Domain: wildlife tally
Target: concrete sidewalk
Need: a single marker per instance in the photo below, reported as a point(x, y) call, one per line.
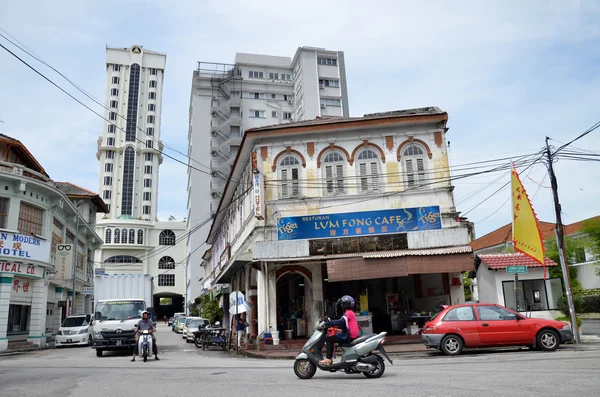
point(412, 350)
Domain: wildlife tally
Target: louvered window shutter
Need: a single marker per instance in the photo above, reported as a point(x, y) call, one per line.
point(375, 176)
point(410, 176)
point(295, 185)
point(339, 174)
point(284, 183)
point(329, 178)
point(420, 171)
point(364, 178)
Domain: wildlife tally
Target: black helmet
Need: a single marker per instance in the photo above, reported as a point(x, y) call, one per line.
point(346, 302)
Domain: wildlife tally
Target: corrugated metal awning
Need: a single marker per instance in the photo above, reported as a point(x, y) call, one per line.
point(463, 249)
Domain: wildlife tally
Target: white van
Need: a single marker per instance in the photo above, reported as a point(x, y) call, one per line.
point(74, 330)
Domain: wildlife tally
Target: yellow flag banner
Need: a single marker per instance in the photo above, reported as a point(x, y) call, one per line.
point(526, 232)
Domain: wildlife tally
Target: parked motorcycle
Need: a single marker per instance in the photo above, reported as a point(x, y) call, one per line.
point(358, 356)
point(145, 344)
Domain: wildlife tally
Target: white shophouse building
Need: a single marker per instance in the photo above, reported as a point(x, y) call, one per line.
point(37, 218)
point(129, 151)
point(362, 206)
point(255, 91)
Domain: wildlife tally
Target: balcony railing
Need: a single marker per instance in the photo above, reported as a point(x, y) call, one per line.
point(21, 170)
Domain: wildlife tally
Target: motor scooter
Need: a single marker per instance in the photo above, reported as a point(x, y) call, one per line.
point(358, 356)
point(145, 344)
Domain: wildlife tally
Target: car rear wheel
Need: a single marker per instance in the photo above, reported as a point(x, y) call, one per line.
point(547, 340)
point(452, 345)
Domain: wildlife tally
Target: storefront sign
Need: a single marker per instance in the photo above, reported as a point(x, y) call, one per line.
point(23, 247)
point(64, 258)
point(259, 200)
point(87, 290)
point(32, 271)
point(22, 290)
point(364, 223)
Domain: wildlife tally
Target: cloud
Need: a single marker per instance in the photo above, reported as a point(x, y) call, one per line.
point(508, 73)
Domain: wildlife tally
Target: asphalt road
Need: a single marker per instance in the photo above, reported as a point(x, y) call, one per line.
point(186, 371)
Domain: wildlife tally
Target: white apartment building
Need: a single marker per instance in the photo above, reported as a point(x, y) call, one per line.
point(255, 91)
point(129, 152)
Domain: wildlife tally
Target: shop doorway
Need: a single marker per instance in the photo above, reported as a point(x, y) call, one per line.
point(292, 290)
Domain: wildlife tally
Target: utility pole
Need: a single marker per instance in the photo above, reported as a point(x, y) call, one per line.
point(74, 266)
point(560, 240)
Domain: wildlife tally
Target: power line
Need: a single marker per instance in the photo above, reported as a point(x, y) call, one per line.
point(589, 130)
point(187, 233)
point(87, 94)
point(96, 113)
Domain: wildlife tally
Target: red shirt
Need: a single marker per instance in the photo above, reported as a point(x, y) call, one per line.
point(352, 324)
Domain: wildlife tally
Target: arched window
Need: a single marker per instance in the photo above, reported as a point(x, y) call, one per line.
point(140, 237)
point(166, 237)
point(108, 236)
point(124, 236)
point(117, 236)
point(289, 171)
point(131, 236)
point(367, 171)
point(334, 173)
point(414, 165)
point(123, 259)
point(166, 262)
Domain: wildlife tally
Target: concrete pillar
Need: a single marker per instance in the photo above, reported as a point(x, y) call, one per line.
point(6, 281)
point(80, 303)
point(37, 321)
point(457, 292)
point(316, 311)
point(272, 292)
point(261, 301)
point(250, 297)
point(58, 311)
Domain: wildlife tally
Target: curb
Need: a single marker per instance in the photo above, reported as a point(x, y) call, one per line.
point(15, 352)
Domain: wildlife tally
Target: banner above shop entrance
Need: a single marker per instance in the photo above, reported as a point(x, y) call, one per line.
point(398, 220)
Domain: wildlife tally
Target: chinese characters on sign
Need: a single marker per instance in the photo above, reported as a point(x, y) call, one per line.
point(22, 290)
point(259, 201)
point(364, 223)
point(24, 247)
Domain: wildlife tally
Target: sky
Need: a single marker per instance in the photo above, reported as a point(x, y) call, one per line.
point(509, 73)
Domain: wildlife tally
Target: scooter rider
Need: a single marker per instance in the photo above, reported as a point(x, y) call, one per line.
point(145, 324)
point(347, 324)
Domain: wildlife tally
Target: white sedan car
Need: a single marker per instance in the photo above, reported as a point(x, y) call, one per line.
point(191, 325)
point(74, 330)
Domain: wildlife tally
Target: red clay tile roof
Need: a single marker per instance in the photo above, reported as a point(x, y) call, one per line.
point(500, 261)
point(577, 226)
point(504, 234)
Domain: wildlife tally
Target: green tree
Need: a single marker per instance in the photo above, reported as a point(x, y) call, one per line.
point(572, 245)
point(208, 308)
point(591, 229)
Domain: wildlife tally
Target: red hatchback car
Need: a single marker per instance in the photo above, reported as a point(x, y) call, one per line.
point(489, 325)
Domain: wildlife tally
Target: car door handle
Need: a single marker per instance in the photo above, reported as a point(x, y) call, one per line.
point(485, 325)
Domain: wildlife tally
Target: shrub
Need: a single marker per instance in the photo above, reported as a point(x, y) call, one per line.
point(568, 320)
point(583, 304)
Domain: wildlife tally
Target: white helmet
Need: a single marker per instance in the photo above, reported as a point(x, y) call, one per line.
point(147, 312)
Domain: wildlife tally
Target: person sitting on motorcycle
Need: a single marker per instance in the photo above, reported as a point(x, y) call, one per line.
point(145, 324)
point(347, 324)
